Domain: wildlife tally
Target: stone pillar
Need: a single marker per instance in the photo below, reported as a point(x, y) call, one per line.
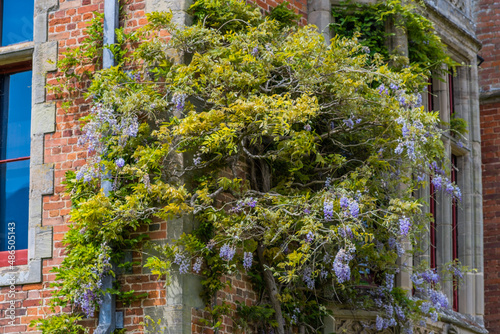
point(443, 209)
point(477, 190)
point(320, 14)
point(183, 292)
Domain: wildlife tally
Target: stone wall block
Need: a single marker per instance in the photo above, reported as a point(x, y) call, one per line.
point(45, 5)
point(41, 180)
point(43, 242)
point(319, 5)
point(40, 28)
point(166, 5)
point(44, 60)
point(43, 118)
point(36, 155)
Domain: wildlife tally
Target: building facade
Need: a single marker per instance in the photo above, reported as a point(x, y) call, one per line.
point(33, 163)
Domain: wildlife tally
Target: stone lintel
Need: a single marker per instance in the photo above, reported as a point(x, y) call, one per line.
point(16, 53)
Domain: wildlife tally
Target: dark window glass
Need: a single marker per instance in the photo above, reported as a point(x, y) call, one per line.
point(15, 129)
point(17, 21)
point(16, 115)
point(14, 190)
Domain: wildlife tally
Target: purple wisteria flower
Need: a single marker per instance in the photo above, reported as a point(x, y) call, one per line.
point(399, 313)
point(255, 51)
point(418, 102)
point(439, 299)
point(430, 276)
point(80, 174)
point(354, 208)
point(346, 232)
point(405, 131)
point(402, 101)
point(404, 226)
point(309, 237)
point(307, 127)
point(449, 188)
point(437, 182)
point(119, 162)
point(197, 161)
point(132, 127)
point(227, 252)
point(341, 265)
point(328, 182)
point(88, 299)
point(382, 89)
point(391, 242)
point(252, 202)
point(344, 202)
point(389, 282)
point(247, 260)
point(328, 210)
point(197, 264)
point(417, 280)
point(425, 307)
point(380, 323)
point(393, 86)
point(307, 277)
point(183, 262)
point(389, 310)
point(399, 149)
point(179, 100)
point(349, 123)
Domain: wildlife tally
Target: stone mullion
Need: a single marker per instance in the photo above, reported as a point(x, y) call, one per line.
point(443, 203)
point(477, 199)
point(465, 208)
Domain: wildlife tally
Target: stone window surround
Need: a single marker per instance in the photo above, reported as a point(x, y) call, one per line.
point(470, 300)
point(44, 56)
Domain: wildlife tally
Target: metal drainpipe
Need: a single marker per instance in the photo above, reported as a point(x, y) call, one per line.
point(107, 310)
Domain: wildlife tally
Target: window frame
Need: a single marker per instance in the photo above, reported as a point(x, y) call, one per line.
point(21, 255)
point(42, 53)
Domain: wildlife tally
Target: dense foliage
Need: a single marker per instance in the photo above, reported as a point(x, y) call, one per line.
point(425, 48)
point(298, 160)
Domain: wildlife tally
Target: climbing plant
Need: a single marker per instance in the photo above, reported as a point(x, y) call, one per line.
point(369, 20)
point(297, 159)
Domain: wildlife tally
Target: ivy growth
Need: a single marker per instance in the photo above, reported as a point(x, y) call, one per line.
point(425, 48)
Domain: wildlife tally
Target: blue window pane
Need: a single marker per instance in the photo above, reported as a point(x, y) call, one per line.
point(17, 21)
point(15, 120)
point(14, 190)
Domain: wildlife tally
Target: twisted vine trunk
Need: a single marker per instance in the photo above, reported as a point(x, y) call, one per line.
point(272, 290)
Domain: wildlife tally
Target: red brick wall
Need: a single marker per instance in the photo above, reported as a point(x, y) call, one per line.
point(488, 31)
point(490, 148)
point(67, 26)
point(488, 23)
point(300, 7)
